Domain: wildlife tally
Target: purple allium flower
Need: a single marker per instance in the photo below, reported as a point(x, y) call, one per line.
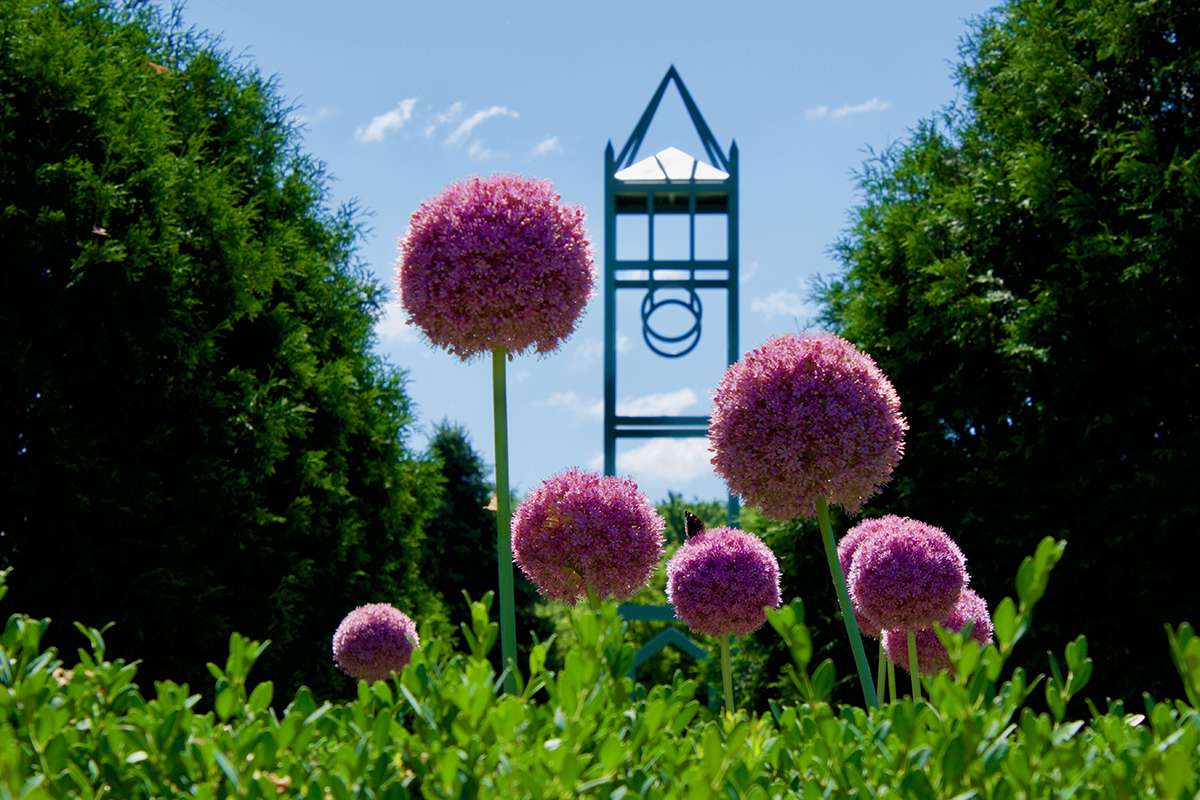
point(907, 574)
point(931, 655)
point(495, 262)
point(847, 546)
point(581, 531)
point(373, 641)
point(720, 580)
point(803, 417)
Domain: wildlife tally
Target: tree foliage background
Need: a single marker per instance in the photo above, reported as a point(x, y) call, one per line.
point(196, 435)
point(1024, 267)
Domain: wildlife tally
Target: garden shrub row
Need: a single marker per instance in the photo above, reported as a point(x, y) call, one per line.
point(444, 728)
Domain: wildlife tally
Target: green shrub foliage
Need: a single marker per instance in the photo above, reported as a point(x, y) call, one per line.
point(196, 436)
point(443, 729)
point(1024, 269)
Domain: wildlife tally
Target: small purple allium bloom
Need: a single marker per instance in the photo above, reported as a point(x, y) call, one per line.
point(581, 531)
point(803, 417)
point(931, 655)
point(495, 262)
point(907, 574)
point(373, 641)
point(721, 579)
point(847, 547)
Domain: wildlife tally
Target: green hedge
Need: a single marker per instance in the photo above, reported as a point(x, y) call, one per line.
point(444, 729)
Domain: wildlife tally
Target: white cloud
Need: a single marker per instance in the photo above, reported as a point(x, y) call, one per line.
point(546, 146)
point(749, 272)
point(393, 120)
point(312, 117)
point(582, 407)
point(479, 152)
point(444, 118)
point(393, 327)
point(649, 405)
point(657, 405)
point(596, 462)
point(588, 352)
point(841, 112)
point(669, 460)
point(781, 303)
point(460, 134)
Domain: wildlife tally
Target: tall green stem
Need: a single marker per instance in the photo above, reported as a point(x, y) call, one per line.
point(727, 672)
point(881, 673)
point(839, 584)
point(508, 614)
point(892, 680)
point(912, 665)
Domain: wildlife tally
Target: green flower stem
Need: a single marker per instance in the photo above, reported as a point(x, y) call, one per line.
point(892, 679)
point(508, 614)
point(727, 672)
point(912, 665)
point(881, 674)
point(839, 584)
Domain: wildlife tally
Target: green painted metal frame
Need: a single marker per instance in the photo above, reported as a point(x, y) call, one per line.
point(721, 274)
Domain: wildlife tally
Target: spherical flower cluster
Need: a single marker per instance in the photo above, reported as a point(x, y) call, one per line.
point(373, 641)
point(847, 547)
point(907, 574)
point(580, 531)
point(720, 580)
point(496, 262)
point(805, 417)
point(931, 654)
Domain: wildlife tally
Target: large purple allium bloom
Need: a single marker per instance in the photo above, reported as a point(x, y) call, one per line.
point(931, 654)
point(581, 532)
point(907, 575)
point(373, 641)
point(496, 262)
point(805, 417)
point(720, 580)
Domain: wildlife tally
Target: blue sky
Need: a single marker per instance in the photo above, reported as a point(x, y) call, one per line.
point(400, 99)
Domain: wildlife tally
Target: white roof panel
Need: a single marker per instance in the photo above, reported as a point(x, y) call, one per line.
point(673, 165)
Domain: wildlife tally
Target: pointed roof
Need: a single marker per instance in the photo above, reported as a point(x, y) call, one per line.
point(673, 166)
point(711, 148)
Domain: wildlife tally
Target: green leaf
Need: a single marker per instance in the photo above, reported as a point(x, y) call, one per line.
point(260, 698)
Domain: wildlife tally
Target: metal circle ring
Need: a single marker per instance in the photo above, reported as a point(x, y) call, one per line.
point(661, 343)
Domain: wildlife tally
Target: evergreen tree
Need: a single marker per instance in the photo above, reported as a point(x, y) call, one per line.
point(1024, 269)
point(196, 435)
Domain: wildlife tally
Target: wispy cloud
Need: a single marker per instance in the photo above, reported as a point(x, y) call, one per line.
point(749, 272)
point(312, 117)
point(675, 461)
point(587, 352)
point(647, 405)
point(841, 112)
point(479, 151)
point(444, 118)
point(464, 129)
point(577, 405)
point(657, 405)
point(546, 146)
point(393, 327)
point(781, 303)
point(393, 120)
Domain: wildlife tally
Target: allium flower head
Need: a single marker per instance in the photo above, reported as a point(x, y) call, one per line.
point(581, 531)
point(803, 417)
point(931, 654)
point(847, 546)
point(373, 641)
point(907, 575)
point(720, 580)
point(495, 262)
